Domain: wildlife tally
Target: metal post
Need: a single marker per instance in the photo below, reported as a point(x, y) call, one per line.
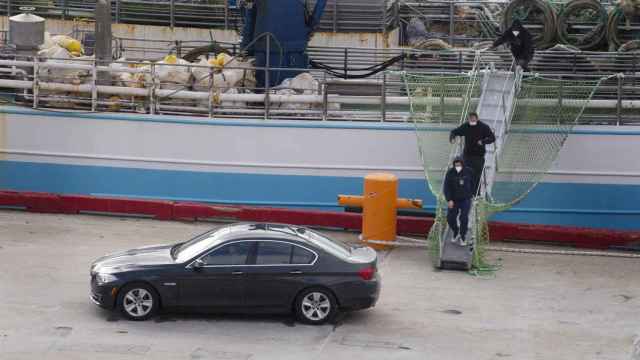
point(267, 79)
point(117, 11)
point(179, 48)
point(325, 97)
point(396, 14)
point(561, 94)
point(211, 92)
point(172, 8)
point(8, 8)
point(94, 87)
point(36, 85)
point(64, 9)
point(226, 14)
point(619, 102)
point(346, 57)
point(335, 16)
point(451, 22)
point(383, 95)
point(442, 100)
point(152, 90)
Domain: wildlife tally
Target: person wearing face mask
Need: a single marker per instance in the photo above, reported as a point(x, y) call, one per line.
point(458, 192)
point(521, 43)
point(476, 135)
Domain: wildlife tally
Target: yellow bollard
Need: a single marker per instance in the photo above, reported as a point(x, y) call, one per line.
point(379, 207)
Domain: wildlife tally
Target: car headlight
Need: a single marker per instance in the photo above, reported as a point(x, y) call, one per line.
point(102, 279)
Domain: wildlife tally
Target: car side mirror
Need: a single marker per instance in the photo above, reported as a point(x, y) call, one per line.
point(198, 264)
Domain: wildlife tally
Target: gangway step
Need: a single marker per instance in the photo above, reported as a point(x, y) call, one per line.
point(454, 256)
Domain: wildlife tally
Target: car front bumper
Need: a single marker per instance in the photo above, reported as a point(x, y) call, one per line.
point(103, 295)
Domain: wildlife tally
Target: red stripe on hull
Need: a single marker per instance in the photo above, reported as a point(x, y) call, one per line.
point(168, 210)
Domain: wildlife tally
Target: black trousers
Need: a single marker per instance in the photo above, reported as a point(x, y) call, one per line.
point(523, 63)
point(460, 208)
point(476, 163)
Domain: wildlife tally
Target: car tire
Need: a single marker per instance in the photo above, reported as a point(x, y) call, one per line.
point(138, 301)
point(315, 306)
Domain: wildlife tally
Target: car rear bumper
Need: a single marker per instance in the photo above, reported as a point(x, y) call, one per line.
point(360, 295)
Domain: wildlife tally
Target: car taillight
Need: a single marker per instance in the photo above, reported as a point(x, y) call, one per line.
point(367, 273)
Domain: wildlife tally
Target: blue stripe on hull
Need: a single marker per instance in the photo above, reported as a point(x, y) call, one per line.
point(585, 205)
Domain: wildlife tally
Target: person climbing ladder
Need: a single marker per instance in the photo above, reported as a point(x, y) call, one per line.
point(520, 42)
point(476, 135)
point(458, 193)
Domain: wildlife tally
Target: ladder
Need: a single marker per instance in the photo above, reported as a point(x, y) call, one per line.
point(499, 89)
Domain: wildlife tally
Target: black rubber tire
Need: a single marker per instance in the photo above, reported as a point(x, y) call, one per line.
point(298, 307)
point(155, 305)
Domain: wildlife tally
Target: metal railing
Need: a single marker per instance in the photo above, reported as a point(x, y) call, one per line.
point(339, 15)
point(379, 98)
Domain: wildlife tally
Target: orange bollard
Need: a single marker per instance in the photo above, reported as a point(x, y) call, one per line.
point(379, 207)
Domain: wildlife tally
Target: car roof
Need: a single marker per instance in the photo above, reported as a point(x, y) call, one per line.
point(265, 230)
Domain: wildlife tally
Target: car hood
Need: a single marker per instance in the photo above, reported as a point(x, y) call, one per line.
point(134, 259)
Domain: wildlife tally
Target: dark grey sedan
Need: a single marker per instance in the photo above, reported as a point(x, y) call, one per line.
point(268, 268)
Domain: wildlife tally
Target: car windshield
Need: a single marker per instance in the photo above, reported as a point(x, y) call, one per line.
point(198, 244)
point(335, 247)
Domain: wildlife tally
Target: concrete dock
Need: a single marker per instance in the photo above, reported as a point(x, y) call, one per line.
point(535, 307)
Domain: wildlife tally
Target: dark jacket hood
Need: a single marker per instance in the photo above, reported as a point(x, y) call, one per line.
point(517, 25)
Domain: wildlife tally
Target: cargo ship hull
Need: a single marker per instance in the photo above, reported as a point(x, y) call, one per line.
point(594, 183)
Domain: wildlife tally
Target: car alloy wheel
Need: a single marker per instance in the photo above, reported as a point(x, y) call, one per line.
point(316, 306)
point(138, 302)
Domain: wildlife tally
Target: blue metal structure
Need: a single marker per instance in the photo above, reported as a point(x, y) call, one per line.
point(277, 32)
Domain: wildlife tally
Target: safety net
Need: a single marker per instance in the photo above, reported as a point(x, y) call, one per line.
point(543, 113)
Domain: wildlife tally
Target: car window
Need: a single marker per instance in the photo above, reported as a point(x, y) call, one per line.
point(273, 253)
point(335, 247)
point(302, 256)
point(231, 254)
point(199, 244)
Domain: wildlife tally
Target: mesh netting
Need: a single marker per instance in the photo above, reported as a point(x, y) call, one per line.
point(543, 114)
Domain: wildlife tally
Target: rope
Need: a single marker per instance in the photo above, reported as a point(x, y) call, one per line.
point(616, 16)
point(593, 38)
point(344, 74)
point(521, 9)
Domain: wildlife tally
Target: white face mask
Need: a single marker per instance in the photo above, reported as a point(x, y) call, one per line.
point(458, 168)
point(515, 32)
point(473, 123)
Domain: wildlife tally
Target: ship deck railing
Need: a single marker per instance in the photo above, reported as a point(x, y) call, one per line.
point(339, 15)
point(380, 98)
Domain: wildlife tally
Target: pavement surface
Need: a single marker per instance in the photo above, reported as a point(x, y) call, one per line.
point(536, 306)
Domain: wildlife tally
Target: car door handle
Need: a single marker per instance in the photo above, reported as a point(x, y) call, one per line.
point(295, 272)
point(237, 273)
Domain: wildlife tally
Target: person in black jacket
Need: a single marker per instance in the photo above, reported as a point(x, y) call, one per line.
point(521, 43)
point(458, 191)
point(476, 135)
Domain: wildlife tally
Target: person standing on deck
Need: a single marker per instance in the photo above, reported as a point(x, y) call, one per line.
point(476, 135)
point(520, 42)
point(458, 191)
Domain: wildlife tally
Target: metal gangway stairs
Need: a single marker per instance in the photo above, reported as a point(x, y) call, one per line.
point(497, 99)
